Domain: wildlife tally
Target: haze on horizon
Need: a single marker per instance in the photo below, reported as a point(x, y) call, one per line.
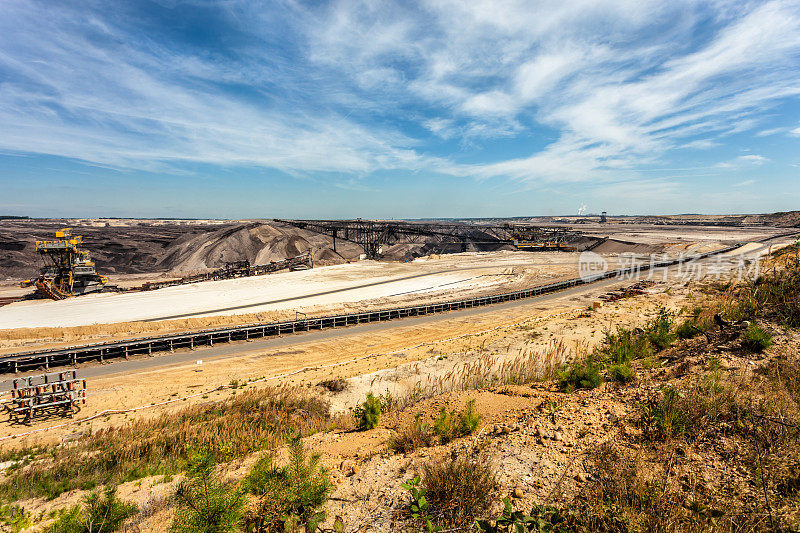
point(234, 109)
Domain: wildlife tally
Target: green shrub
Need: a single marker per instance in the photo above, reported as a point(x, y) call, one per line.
point(289, 497)
point(449, 426)
point(580, 375)
point(15, 517)
point(755, 338)
point(101, 513)
point(622, 373)
point(417, 435)
point(70, 520)
point(205, 505)
point(469, 419)
point(659, 330)
point(458, 490)
point(444, 425)
point(542, 518)
point(688, 329)
point(624, 345)
point(419, 505)
point(664, 418)
point(368, 414)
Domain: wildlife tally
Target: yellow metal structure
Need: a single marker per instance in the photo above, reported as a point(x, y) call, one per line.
point(68, 270)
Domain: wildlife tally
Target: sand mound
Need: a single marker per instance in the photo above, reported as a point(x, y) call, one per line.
point(614, 246)
point(257, 242)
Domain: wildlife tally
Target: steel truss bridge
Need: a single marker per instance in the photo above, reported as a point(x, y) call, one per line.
point(372, 234)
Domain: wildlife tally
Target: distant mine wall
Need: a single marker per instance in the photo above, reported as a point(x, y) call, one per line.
point(141, 247)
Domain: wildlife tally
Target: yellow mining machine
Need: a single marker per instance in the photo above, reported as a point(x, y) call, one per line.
point(68, 271)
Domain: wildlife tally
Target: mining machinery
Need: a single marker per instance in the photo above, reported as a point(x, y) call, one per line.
point(372, 234)
point(68, 271)
point(537, 239)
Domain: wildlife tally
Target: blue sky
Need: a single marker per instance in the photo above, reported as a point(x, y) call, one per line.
point(238, 109)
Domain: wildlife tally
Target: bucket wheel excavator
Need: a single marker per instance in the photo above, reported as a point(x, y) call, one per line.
point(68, 271)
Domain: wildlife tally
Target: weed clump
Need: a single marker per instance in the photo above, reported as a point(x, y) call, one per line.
point(776, 294)
point(755, 338)
point(580, 375)
point(452, 425)
point(622, 373)
point(624, 345)
point(708, 407)
point(659, 330)
point(14, 517)
point(458, 490)
point(333, 385)
point(417, 435)
point(665, 417)
point(688, 329)
point(228, 429)
point(289, 497)
point(632, 490)
point(100, 513)
point(368, 414)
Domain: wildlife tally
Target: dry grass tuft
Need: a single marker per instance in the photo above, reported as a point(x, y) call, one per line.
point(489, 370)
point(458, 490)
point(417, 435)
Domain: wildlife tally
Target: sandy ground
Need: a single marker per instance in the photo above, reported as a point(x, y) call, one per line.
point(397, 346)
point(346, 288)
point(325, 286)
point(653, 234)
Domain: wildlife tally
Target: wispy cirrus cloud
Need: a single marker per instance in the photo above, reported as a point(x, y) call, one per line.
point(85, 89)
point(596, 90)
point(753, 159)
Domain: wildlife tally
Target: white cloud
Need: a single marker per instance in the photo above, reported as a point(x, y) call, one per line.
point(444, 128)
point(771, 131)
point(489, 103)
point(701, 144)
point(534, 79)
point(603, 88)
point(753, 159)
point(743, 160)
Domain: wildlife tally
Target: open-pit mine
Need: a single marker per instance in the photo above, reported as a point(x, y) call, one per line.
point(149, 331)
